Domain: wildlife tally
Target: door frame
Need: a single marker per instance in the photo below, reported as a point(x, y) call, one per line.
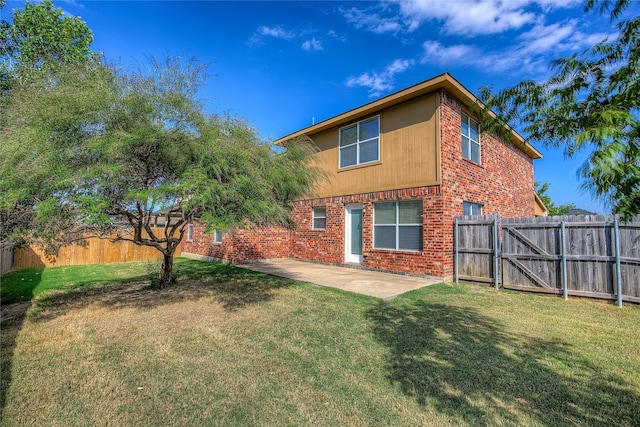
point(348, 256)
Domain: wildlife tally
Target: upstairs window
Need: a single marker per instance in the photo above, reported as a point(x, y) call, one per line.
point(320, 218)
point(469, 208)
point(470, 138)
point(398, 225)
point(190, 232)
point(217, 236)
point(360, 143)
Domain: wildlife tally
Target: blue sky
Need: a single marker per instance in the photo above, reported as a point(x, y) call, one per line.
point(282, 65)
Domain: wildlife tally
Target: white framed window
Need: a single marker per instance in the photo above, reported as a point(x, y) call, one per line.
point(360, 142)
point(470, 130)
point(469, 208)
point(190, 232)
point(217, 236)
point(319, 218)
point(398, 225)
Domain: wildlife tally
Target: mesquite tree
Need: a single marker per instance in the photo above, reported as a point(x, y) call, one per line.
point(111, 151)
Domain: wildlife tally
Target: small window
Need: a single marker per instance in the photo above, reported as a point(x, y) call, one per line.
point(470, 138)
point(398, 225)
point(360, 143)
point(190, 232)
point(469, 208)
point(320, 218)
point(217, 236)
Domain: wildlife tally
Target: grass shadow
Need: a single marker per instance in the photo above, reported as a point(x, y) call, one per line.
point(233, 287)
point(467, 366)
point(12, 316)
point(10, 330)
point(24, 282)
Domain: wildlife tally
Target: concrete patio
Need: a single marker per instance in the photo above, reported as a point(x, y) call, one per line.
point(385, 286)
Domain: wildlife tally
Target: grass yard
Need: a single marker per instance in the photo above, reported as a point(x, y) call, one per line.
point(227, 346)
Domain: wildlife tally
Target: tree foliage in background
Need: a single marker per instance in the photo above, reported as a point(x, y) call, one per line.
point(563, 209)
point(33, 47)
point(590, 103)
point(38, 40)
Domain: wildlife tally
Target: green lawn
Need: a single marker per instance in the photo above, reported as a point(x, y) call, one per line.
point(25, 284)
point(227, 346)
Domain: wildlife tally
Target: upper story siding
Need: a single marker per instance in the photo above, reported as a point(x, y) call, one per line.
point(409, 155)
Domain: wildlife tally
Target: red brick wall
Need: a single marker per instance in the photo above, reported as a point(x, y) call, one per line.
point(328, 245)
point(239, 246)
point(319, 245)
point(502, 183)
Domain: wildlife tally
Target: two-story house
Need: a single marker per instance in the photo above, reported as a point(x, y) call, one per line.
point(399, 169)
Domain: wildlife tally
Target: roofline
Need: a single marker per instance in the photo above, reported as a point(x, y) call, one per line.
point(443, 81)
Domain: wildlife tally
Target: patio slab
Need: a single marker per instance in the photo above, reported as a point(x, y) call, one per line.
point(385, 286)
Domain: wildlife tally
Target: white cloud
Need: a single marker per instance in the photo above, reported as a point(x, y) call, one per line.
point(470, 56)
point(371, 19)
point(560, 37)
point(275, 32)
point(460, 17)
point(73, 3)
point(278, 32)
point(548, 5)
point(543, 38)
point(528, 55)
point(312, 44)
point(398, 66)
point(379, 82)
point(449, 54)
point(468, 17)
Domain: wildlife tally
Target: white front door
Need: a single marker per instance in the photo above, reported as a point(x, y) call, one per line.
point(353, 234)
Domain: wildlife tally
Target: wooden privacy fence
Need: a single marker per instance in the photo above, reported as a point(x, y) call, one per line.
point(596, 256)
point(89, 251)
point(6, 259)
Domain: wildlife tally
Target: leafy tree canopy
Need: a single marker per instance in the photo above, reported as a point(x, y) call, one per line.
point(106, 151)
point(590, 103)
point(37, 41)
point(40, 38)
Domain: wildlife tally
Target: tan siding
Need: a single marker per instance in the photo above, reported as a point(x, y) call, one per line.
point(408, 148)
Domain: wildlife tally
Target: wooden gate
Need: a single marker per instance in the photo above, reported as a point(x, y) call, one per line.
point(530, 255)
point(477, 248)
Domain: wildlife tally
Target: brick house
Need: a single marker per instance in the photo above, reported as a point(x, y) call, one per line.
point(399, 169)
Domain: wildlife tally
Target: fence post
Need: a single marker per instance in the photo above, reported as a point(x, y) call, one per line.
point(455, 259)
point(565, 287)
point(495, 252)
point(616, 237)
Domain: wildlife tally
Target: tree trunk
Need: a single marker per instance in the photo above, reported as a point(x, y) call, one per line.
point(166, 272)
